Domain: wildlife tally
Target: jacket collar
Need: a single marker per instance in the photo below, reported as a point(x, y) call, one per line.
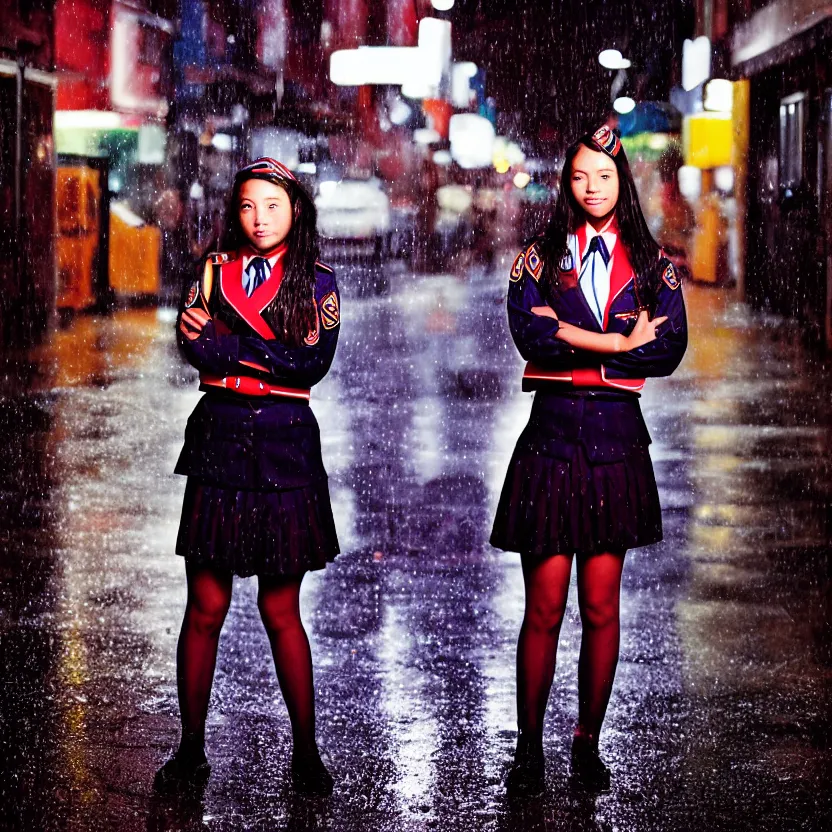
point(250, 309)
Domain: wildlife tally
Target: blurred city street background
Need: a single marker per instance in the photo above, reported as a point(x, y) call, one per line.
point(121, 126)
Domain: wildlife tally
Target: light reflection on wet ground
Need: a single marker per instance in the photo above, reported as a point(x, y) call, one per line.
point(720, 715)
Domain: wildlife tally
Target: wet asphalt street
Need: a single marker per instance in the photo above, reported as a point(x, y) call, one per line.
point(720, 718)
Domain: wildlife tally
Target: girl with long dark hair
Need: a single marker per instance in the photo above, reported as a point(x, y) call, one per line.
point(595, 308)
point(261, 325)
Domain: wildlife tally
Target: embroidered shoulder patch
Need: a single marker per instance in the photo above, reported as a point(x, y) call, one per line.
point(220, 257)
point(534, 265)
point(517, 268)
point(193, 295)
point(670, 278)
point(330, 314)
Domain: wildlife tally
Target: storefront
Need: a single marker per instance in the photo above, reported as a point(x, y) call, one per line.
point(789, 237)
point(27, 218)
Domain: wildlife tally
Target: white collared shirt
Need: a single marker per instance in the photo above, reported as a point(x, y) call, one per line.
point(247, 258)
point(594, 277)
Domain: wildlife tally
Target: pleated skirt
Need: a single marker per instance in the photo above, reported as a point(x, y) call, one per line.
point(265, 533)
point(556, 500)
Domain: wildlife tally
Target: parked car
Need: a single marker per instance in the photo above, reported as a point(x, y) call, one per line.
point(353, 220)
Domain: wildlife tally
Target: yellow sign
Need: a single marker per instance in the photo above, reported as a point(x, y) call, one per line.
point(707, 140)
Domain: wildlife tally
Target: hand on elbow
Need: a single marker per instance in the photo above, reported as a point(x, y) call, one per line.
point(644, 331)
point(192, 323)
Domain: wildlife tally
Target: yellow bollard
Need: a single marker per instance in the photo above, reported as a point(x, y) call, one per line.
point(707, 239)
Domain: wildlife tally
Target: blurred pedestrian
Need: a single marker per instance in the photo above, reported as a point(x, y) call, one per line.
point(678, 218)
point(426, 213)
point(595, 308)
point(261, 326)
point(484, 210)
point(178, 258)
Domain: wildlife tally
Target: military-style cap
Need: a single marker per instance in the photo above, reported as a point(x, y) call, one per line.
point(607, 141)
point(267, 168)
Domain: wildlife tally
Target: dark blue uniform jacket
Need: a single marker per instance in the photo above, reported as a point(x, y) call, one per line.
point(254, 442)
point(588, 397)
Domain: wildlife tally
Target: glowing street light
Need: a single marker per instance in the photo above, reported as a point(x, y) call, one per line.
point(719, 96)
point(624, 105)
point(613, 59)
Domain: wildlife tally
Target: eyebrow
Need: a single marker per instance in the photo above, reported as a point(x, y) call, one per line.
point(602, 170)
point(264, 199)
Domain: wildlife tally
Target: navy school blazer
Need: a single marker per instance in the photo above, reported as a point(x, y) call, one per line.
point(253, 442)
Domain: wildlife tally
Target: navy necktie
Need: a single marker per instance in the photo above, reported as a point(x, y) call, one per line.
point(257, 272)
point(597, 244)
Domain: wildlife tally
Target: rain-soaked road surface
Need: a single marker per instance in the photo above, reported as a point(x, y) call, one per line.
point(720, 718)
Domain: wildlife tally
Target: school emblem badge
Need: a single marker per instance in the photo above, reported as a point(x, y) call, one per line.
point(517, 268)
point(330, 314)
point(670, 278)
point(193, 295)
point(534, 265)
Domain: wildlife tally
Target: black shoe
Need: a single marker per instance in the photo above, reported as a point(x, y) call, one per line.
point(588, 767)
point(309, 774)
point(182, 775)
point(527, 777)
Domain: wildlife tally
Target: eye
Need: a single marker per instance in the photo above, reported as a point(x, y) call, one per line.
point(605, 176)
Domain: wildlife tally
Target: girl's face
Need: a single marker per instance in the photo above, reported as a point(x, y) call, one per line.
point(594, 182)
point(265, 213)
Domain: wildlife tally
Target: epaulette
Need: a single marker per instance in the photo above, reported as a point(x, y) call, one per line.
point(323, 267)
point(517, 267)
point(532, 261)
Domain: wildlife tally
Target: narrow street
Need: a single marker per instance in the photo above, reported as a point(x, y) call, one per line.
point(720, 718)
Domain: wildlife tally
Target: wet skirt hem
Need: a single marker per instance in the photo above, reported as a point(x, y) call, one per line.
point(265, 533)
point(552, 505)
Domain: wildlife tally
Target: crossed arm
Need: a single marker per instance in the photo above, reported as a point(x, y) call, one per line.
point(607, 342)
point(209, 352)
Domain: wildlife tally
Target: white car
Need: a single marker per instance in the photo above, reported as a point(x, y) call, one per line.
point(353, 219)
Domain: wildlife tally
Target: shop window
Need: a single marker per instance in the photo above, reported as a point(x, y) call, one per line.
point(151, 47)
point(792, 129)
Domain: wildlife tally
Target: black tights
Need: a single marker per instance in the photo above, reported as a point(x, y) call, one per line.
point(209, 596)
point(547, 587)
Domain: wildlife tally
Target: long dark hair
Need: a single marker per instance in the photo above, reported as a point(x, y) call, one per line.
point(291, 315)
point(568, 216)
